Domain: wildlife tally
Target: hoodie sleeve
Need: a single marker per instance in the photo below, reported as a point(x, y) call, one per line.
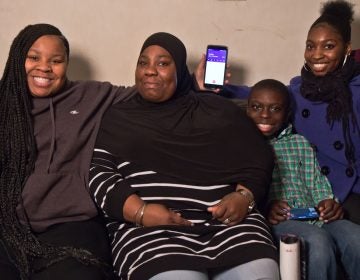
point(123, 93)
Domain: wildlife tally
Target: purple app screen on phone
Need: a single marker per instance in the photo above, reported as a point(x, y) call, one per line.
point(215, 66)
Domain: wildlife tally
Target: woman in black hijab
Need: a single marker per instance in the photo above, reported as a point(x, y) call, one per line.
point(177, 173)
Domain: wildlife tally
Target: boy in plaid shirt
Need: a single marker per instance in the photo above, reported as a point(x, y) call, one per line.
point(298, 182)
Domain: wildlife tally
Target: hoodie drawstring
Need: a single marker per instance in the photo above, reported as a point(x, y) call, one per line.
point(53, 135)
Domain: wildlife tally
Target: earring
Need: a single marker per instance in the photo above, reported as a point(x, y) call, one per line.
point(345, 59)
point(305, 66)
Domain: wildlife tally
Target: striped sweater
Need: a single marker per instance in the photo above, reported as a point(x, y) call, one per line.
point(142, 252)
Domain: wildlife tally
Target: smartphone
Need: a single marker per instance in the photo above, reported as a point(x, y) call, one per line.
point(304, 214)
point(215, 66)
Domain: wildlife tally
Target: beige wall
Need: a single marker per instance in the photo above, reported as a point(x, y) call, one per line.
point(265, 37)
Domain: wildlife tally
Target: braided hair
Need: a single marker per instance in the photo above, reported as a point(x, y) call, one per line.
point(17, 158)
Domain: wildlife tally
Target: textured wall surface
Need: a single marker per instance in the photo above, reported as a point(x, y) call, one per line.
point(266, 38)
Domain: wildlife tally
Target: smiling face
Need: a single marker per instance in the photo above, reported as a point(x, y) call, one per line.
point(325, 49)
point(268, 109)
point(45, 65)
point(155, 74)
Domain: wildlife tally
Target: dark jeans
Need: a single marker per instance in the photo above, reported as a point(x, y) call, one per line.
point(90, 235)
point(323, 245)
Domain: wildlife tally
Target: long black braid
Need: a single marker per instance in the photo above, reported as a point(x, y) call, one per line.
point(17, 158)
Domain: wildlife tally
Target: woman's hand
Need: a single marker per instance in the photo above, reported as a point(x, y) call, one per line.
point(279, 211)
point(158, 214)
point(153, 214)
point(330, 210)
point(231, 210)
point(199, 75)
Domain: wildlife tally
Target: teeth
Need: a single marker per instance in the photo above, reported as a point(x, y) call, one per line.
point(41, 80)
point(264, 125)
point(319, 65)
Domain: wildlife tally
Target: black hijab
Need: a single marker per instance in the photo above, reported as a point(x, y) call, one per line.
point(177, 50)
point(199, 138)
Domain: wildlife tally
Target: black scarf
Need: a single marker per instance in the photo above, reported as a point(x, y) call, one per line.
point(199, 138)
point(333, 89)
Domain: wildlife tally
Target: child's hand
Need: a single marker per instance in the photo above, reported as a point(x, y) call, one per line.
point(279, 211)
point(330, 210)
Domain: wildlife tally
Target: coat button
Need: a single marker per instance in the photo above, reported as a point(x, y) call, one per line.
point(349, 172)
point(325, 170)
point(305, 113)
point(338, 145)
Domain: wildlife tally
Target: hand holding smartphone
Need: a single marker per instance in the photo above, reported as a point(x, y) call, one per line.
point(304, 213)
point(215, 66)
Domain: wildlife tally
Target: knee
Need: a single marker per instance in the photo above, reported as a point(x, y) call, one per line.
point(320, 239)
point(352, 251)
point(320, 246)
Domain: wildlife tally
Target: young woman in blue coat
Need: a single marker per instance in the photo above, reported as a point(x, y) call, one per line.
point(326, 100)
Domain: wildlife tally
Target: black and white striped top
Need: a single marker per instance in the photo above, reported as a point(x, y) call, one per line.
point(142, 252)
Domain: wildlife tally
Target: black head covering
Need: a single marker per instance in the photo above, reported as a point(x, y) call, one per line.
point(178, 52)
point(197, 138)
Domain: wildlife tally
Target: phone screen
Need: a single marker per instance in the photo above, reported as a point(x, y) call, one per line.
point(215, 67)
point(303, 214)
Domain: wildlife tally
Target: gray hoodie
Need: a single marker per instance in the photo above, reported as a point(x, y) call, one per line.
point(65, 128)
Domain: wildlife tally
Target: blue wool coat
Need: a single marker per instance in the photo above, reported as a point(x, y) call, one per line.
point(329, 144)
point(310, 121)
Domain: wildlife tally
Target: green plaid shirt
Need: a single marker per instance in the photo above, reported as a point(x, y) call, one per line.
point(296, 177)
